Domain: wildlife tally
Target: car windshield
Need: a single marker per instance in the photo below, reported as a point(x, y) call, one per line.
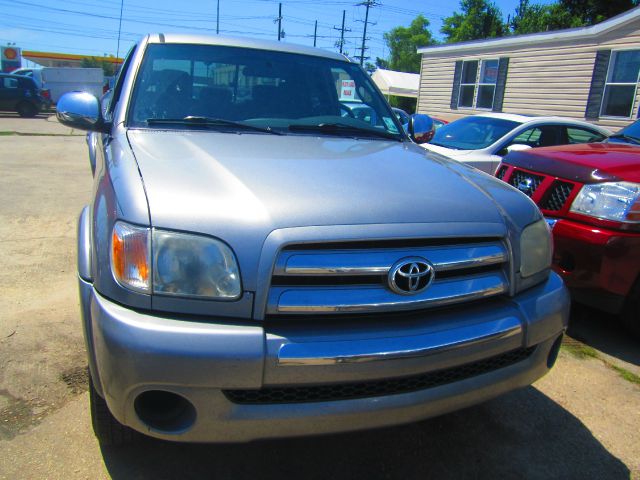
point(629, 134)
point(232, 87)
point(472, 133)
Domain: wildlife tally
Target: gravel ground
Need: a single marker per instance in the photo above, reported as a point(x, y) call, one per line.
point(580, 421)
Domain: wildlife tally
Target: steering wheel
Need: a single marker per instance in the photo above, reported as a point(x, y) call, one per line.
point(346, 111)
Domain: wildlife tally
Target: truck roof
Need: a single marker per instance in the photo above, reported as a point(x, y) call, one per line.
point(230, 41)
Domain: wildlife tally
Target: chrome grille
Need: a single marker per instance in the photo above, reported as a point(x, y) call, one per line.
point(345, 280)
point(557, 196)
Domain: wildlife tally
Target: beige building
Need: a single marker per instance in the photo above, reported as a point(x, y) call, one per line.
point(585, 73)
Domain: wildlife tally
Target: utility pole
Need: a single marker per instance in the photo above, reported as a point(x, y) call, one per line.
point(368, 4)
point(315, 33)
point(218, 19)
point(119, 30)
point(340, 43)
point(279, 21)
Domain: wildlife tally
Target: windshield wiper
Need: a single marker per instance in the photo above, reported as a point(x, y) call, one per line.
point(209, 122)
point(626, 137)
point(341, 128)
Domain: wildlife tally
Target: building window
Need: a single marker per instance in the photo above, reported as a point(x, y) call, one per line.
point(621, 83)
point(487, 84)
point(483, 80)
point(468, 83)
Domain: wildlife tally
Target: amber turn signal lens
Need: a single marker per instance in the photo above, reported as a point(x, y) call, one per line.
point(130, 256)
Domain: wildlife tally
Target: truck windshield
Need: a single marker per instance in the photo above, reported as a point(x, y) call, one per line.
point(277, 91)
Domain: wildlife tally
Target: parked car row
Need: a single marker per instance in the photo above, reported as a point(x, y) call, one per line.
point(585, 181)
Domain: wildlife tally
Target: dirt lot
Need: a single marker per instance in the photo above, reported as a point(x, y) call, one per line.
point(580, 421)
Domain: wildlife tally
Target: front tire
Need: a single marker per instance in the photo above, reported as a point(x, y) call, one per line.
point(27, 110)
point(631, 312)
point(108, 431)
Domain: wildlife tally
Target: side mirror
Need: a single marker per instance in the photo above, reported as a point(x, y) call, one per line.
point(80, 110)
point(517, 147)
point(421, 128)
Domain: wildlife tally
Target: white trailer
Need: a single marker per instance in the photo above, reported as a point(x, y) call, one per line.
point(60, 80)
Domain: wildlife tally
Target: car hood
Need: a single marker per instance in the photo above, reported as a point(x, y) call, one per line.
point(241, 187)
point(585, 163)
point(447, 152)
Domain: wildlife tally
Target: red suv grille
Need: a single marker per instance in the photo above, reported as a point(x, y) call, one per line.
point(557, 196)
point(552, 194)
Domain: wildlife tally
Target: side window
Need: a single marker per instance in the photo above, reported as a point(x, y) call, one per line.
point(10, 82)
point(583, 135)
point(540, 136)
point(530, 137)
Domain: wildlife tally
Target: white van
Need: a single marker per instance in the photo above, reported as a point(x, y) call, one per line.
point(60, 80)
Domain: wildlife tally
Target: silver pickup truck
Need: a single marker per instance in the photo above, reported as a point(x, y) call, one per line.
point(257, 261)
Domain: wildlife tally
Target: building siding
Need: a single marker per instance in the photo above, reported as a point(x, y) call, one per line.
point(542, 80)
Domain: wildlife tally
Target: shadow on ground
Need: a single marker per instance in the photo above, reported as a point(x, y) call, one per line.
point(604, 332)
point(43, 115)
point(520, 435)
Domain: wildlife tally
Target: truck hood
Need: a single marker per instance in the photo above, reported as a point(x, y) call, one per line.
point(241, 187)
point(585, 163)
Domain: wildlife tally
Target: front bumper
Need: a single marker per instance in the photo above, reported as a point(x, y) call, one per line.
point(132, 352)
point(599, 266)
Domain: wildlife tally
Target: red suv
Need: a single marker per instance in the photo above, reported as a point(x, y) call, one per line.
point(590, 195)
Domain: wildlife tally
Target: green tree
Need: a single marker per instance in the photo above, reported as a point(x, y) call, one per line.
point(540, 18)
point(590, 12)
point(478, 19)
point(403, 43)
point(532, 18)
point(93, 62)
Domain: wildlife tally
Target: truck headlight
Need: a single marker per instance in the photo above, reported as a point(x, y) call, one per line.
point(617, 201)
point(535, 249)
point(185, 265)
point(130, 256)
point(194, 266)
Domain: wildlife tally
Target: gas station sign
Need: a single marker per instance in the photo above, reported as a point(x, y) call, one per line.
point(10, 59)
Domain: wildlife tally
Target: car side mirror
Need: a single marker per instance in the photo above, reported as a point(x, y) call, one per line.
point(421, 128)
point(515, 147)
point(81, 110)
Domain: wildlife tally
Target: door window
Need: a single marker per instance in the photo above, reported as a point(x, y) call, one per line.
point(9, 82)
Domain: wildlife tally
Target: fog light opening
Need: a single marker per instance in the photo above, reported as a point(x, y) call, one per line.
point(566, 262)
point(553, 353)
point(165, 411)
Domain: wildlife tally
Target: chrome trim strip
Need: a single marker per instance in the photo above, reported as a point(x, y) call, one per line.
point(376, 298)
point(396, 348)
point(378, 262)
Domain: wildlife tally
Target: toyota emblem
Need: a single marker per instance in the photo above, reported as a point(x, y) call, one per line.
point(410, 275)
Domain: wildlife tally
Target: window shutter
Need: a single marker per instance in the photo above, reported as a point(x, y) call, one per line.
point(455, 92)
point(598, 79)
point(501, 83)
